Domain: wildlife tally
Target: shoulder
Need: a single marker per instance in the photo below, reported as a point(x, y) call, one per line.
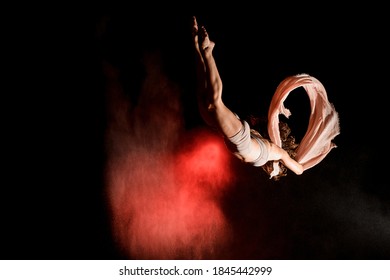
point(276, 152)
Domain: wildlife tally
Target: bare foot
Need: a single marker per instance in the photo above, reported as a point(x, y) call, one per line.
point(195, 30)
point(206, 44)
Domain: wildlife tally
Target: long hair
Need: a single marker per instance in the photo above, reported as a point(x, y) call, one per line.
point(288, 143)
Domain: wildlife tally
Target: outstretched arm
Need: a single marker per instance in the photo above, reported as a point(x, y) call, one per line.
point(216, 114)
point(277, 153)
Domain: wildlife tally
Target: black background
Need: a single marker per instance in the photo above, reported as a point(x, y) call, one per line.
point(53, 191)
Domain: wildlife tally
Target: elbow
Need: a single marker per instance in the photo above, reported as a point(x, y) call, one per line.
point(299, 169)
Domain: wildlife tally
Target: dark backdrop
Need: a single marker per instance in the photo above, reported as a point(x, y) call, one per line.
point(54, 191)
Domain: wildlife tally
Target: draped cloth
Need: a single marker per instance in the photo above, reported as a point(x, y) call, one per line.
point(323, 124)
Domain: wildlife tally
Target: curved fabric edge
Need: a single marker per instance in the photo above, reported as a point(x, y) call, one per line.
point(323, 124)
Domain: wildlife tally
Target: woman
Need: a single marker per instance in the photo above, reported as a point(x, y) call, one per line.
point(246, 143)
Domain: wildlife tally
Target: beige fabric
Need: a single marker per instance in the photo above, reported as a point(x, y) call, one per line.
point(323, 124)
point(242, 146)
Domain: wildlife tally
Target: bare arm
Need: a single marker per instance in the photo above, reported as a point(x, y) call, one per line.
point(277, 153)
point(213, 110)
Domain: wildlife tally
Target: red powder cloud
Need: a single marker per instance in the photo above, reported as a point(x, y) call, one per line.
point(164, 184)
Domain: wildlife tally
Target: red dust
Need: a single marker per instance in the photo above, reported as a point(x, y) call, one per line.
point(168, 207)
point(164, 183)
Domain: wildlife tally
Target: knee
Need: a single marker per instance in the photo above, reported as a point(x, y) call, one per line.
point(216, 92)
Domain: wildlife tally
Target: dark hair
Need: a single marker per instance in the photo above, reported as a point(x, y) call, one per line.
point(288, 143)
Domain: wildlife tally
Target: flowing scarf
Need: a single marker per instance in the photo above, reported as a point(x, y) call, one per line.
point(323, 124)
